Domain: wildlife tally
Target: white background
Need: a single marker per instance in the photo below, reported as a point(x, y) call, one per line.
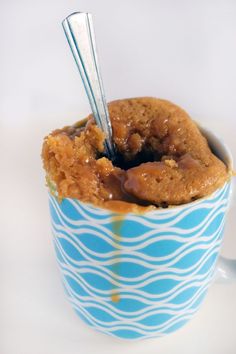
point(184, 51)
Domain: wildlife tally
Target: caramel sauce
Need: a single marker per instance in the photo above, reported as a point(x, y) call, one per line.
point(116, 228)
point(115, 297)
point(161, 159)
point(120, 206)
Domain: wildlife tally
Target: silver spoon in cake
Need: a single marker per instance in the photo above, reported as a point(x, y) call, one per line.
point(79, 32)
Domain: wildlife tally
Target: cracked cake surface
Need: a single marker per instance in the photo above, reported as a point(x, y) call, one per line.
point(162, 158)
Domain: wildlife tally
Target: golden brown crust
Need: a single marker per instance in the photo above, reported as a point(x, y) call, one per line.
point(169, 160)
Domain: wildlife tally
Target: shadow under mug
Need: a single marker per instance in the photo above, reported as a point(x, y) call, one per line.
point(138, 276)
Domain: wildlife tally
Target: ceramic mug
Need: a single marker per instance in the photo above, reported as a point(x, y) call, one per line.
point(138, 276)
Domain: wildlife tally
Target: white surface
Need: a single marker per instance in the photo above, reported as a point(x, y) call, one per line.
point(181, 50)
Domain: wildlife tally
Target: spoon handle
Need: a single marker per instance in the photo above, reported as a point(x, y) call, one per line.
point(79, 31)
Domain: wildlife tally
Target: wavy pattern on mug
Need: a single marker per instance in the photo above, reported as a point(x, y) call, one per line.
point(116, 279)
point(75, 242)
point(80, 210)
point(147, 309)
point(167, 227)
point(157, 276)
point(149, 237)
point(174, 234)
point(94, 211)
point(165, 261)
point(90, 213)
point(140, 293)
point(139, 331)
point(98, 234)
point(113, 319)
point(136, 261)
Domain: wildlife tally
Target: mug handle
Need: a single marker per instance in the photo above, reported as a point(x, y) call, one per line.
point(226, 270)
point(226, 267)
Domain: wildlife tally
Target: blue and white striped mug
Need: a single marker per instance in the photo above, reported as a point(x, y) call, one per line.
point(150, 278)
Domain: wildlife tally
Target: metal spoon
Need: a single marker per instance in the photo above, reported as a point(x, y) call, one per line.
point(79, 31)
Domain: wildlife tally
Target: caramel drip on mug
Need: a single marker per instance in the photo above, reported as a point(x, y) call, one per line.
point(116, 227)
